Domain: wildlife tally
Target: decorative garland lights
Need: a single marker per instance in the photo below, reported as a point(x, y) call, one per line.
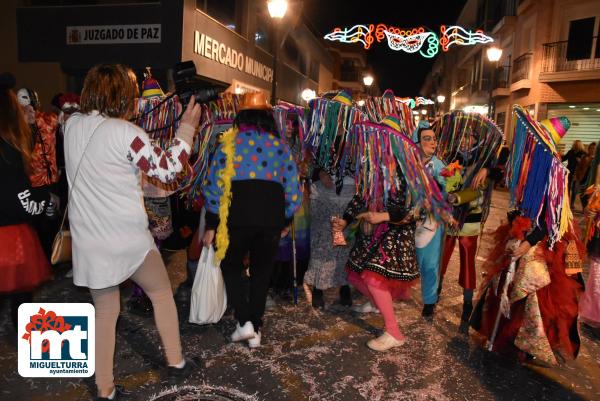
point(411, 41)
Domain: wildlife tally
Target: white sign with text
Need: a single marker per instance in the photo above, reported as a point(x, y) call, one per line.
point(113, 34)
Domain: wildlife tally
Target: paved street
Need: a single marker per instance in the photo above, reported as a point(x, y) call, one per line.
point(314, 355)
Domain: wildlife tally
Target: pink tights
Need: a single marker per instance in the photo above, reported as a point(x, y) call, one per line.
point(382, 299)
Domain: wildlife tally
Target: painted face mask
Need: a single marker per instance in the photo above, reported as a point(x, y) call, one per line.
point(28, 97)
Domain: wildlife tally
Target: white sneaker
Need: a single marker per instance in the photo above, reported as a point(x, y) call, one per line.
point(254, 342)
point(367, 307)
point(244, 332)
point(384, 342)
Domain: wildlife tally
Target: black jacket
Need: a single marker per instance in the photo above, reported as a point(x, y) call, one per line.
point(19, 202)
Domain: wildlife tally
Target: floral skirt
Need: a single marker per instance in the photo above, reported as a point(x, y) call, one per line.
point(390, 252)
point(23, 264)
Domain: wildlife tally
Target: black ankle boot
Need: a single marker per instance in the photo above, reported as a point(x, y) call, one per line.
point(317, 299)
point(466, 311)
point(428, 310)
point(465, 316)
point(345, 295)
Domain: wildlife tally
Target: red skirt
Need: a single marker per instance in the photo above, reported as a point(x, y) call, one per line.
point(399, 290)
point(23, 263)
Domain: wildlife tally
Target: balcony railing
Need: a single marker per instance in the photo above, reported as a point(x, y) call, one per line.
point(557, 58)
point(502, 77)
point(521, 67)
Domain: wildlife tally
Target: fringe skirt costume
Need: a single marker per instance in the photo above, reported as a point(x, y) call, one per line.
point(386, 257)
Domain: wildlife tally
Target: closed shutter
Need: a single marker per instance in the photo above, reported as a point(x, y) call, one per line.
point(585, 124)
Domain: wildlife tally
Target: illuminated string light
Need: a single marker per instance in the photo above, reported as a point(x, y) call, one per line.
point(356, 34)
point(421, 101)
point(425, 42)
point(456, 35)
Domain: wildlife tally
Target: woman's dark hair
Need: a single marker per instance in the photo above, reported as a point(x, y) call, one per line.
point(110, 89)
point(13, 126)
point(262, 119)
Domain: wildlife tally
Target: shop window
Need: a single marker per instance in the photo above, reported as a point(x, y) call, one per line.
point(581, 36)
point(227, 12)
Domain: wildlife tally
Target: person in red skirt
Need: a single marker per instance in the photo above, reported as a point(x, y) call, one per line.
point(23, 264)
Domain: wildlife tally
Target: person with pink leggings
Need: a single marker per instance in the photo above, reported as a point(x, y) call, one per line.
point(104, 156)
point(382, 263)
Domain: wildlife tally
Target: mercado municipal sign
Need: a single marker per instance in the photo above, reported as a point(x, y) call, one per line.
point(421, 40)
point(217, 51)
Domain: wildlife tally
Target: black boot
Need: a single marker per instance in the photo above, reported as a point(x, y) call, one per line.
point(428, 310)
point(317, 299)
point(177, 375)
point(120, 392)
point(465, 316)
point(345, 295)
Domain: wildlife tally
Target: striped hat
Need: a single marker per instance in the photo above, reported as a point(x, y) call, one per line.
point(344, 97)
point(557, 127)
point(151, 88)
point(392, 121)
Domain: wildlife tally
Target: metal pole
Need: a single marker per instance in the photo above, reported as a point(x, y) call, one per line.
point(275, 63)
point(491, 106)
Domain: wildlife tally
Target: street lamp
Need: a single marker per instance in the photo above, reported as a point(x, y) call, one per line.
point(308, 94)
point(368, 81)
point(277, 10)
point(494, 54)
point(441, 98)
point(424, 111)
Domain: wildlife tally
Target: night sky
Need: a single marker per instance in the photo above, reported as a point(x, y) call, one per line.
point(403, 73)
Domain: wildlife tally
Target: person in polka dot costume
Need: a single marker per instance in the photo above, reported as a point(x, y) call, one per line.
point(266, 193)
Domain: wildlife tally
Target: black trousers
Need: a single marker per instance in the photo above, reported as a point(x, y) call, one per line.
point(262, 245)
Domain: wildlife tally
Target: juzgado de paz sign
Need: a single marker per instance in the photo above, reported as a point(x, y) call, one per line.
point(217, 51)
point(113, 34)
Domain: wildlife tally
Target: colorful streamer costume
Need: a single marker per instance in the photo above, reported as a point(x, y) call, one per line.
point(531, 304)
point(429, 231)
point(589, 308)
point(468, 143)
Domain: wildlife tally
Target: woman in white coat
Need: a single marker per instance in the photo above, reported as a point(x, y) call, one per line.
point(104, 155)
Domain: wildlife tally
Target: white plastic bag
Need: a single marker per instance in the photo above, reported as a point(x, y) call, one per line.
point(209, 299)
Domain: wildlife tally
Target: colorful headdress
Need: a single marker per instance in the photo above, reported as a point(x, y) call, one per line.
point(392, 121)
point(557, 127)
point(150, 86)
point(536, 177)
point(458, 126)
point(343, 97)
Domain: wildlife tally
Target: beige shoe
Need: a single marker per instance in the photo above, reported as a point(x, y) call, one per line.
point(384, 342)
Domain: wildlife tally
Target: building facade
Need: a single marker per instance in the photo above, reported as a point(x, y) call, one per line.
point(550, 63)
point(231, 43)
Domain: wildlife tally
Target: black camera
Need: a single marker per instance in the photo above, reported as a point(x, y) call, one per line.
point(187, 84)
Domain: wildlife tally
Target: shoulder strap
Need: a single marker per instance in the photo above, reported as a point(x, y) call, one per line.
point(62, 224)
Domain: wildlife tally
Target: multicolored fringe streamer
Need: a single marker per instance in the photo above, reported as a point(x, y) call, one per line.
point(377, 108)
point(382, 158)
point(536, 177)
point(454, 128)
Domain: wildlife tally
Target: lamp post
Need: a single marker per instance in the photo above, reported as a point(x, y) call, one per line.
point(368, 81)
point(440, 100)
point(493, 54)
point(308, 94)
point(277, 10)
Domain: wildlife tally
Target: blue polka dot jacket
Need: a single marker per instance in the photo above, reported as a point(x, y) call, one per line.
point(265, 188)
